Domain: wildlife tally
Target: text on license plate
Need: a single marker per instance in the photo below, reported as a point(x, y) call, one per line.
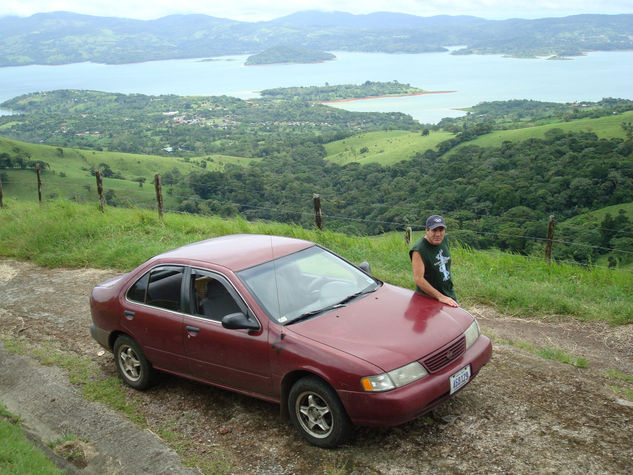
point(460, 378)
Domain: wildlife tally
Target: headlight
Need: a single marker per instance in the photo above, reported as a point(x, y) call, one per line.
point(471, 334)
point(394, 379)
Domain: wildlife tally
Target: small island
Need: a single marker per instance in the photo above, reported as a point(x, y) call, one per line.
point(289, 55)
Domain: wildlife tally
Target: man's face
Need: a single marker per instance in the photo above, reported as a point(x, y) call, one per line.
point(436, 236)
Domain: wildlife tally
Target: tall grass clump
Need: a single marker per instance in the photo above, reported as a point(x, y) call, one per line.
point(64, 233)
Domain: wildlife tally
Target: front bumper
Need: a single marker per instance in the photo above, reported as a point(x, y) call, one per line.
point(404, 404)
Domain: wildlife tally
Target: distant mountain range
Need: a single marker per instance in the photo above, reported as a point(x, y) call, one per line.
point(63, 37)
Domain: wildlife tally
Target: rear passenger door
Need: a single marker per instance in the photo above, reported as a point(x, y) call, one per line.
point(236, 359)
point(153, 316)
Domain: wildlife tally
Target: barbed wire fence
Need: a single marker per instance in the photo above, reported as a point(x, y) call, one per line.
point(156, 201)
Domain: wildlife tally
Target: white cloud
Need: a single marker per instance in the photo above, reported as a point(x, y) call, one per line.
point(255, 10)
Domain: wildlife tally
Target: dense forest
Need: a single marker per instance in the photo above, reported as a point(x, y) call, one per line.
point(495, 196)
point(288, 54)
point(61, 37)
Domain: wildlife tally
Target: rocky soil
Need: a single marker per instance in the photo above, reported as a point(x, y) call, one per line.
point(522, 414)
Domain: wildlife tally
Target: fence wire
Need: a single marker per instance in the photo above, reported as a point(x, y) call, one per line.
point(308, 212)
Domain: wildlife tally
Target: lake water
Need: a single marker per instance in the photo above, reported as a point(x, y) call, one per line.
point(473, 79)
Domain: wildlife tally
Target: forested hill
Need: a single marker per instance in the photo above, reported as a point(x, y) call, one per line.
point(283, 54)
point(61, 37)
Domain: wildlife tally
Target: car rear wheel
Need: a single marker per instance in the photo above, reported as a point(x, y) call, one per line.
point(317, 413)
point(131, 363)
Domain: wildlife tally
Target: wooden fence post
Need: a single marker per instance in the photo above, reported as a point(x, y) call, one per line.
point(39, 183)
point(100, 189)
point(318, 216)
point(1, 203)
point(550, 239)
point(159, 195)
point(407, 235)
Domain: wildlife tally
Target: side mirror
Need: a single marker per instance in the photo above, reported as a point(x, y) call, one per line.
point(239, 321)
point(365, 267)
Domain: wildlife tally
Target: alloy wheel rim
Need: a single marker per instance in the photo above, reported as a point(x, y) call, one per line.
point(314, 415)
point(130, 363)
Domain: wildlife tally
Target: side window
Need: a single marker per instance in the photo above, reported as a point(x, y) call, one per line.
point(136, 293)
point(212, 298)
point(164, 287)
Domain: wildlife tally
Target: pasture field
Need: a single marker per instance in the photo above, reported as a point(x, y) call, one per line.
point(384, 147)
point(603, 127)
point(70, 172)
point(392, 146)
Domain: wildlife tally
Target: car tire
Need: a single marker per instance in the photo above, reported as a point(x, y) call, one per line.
point(317, 413)
point(131, 363)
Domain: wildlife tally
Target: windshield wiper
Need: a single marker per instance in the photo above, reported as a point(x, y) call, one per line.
point(312, 313)
point(349, 298)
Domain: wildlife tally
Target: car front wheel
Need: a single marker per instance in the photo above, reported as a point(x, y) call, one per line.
point(131, 363)
point(317, 413)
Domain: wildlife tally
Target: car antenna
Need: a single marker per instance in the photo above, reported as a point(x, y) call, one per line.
point(272, 253)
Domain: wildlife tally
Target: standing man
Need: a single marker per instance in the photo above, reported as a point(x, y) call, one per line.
point(431, 262)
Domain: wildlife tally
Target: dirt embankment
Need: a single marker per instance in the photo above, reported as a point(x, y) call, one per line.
point(522, 414)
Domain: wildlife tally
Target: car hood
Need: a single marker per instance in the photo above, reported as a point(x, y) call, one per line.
point(388, 328)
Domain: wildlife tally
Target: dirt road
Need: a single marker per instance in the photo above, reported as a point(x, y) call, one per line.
point(522, 414)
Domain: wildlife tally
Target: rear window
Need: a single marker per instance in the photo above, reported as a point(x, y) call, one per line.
point(161, 287)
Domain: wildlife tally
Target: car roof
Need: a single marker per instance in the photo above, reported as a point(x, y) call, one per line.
point(237, 251)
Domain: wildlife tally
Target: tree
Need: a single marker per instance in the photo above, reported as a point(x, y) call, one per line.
point(628, 129)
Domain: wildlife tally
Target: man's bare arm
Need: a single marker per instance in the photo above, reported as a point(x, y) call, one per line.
point(418, 276)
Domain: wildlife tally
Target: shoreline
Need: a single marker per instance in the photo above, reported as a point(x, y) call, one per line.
point(351, 99)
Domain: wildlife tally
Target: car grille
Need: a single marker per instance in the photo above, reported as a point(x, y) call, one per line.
point(443, 357)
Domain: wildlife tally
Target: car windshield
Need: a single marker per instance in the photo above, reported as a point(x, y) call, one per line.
point(305, 284)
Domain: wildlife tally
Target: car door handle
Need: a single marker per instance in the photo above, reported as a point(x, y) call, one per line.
point(129, 314)
point(192, 330)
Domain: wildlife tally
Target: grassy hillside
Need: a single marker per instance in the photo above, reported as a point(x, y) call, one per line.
point(592, 221)
point(62, 233)
point(594, 218)
point(384, 147)
point(70, 172)
point(389, 147)
point(603, 127)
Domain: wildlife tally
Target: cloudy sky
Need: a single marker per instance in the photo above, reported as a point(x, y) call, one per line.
point(255, 10)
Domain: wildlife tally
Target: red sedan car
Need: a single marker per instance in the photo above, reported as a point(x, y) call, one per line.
point(288, 321)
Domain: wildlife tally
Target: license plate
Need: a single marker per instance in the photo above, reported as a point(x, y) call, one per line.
point(459, 379)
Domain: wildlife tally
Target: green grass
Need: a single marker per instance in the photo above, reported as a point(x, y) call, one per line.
point(63, 233)
point(70, 452)
point(213, 462)
point(70, 172)
point(17, 454)
point(624, 386)
point(603, 127)
point(594, 218)
point(385, 147)
point(549, 353)
point(389, 147)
